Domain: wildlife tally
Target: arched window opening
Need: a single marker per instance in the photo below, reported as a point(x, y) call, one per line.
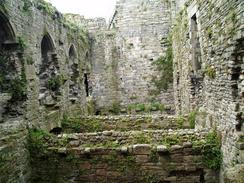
point(74, 88)
point(49, 77)
point(12, 81)
point(237, 75)
point(195, 43)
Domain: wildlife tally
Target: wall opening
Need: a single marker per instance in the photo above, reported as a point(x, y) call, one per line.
point(196, 50)
point(49, 77)
point(86, 82)
point(74, 74)
point(12, 77)
point(237, 75)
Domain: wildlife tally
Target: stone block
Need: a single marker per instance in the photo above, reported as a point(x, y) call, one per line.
point(142, 149)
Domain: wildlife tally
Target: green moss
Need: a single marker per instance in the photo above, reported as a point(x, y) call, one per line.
point(78, 126)
point(211, 152)
point(210, 72)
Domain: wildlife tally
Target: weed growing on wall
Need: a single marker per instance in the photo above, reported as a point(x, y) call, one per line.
point(165, 67)
point(211, 151)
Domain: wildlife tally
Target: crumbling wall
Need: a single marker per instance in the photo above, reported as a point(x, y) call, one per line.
point(208, 44)
point(34, 45)
point(119, 157)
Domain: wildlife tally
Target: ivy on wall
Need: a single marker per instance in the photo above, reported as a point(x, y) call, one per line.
point(165, 67)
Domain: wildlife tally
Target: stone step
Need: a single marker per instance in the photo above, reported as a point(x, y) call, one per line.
point(110, 139)
point(124, 123)
point(171, 156)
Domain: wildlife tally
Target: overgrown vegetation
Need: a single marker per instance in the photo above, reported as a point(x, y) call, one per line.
point(27, 5)
point(192, 119)
point(10, 81)
point(38, 141)
point(165, 66)
point(77, 125)
point(180, 121)
point(210, 72)
point(56, 82)
point(211, 153)
point(46, 7)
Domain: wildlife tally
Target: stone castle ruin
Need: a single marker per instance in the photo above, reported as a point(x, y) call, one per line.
point(155, 96)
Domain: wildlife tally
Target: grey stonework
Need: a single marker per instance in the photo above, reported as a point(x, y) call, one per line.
point(67, 70)
point(215, 88)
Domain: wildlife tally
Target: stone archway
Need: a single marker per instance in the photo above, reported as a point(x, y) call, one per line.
point(74, 89)
point(49, 76)
point(12, 76)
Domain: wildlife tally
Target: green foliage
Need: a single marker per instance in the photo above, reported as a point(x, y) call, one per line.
point(142, 138)
point(115, 108)
point(77, 125)
point(56, 82)
point(18, 89)
point(27, 5)
point(192, 119)
point(180, 121)
point(140, 107)
point(165, 66)
point(45, 7)
point(153, 156)
point(10, 82)
point(210, 71)
point(21, 43)
point(171, 140)
point(211, 152)
point(38, 141)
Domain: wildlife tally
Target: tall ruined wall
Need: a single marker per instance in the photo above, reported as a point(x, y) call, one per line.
point(45, 55)
point(208, 72)
point(141, 27)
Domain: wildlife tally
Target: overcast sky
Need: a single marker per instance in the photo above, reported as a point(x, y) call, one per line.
point(88, 8)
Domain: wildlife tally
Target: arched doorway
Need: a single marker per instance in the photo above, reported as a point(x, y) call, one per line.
point(49, 77)
point(74, 89)
point(12, 76)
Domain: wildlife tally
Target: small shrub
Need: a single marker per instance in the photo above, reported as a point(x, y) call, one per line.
point(140, 107)
point(56, 82)
point(46, 7)
point(142, 139)
point(211, 152)
point(180, 121)
point(210, 71)
point(192, 119)
point(18, 89)
point(171, 140)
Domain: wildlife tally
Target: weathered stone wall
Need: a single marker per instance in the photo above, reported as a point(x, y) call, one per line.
point(140, 28)
point(96, 161)
point(211, 33)
point(37, 29)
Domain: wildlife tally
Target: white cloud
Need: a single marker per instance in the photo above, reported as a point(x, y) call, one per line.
point(88, 8)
